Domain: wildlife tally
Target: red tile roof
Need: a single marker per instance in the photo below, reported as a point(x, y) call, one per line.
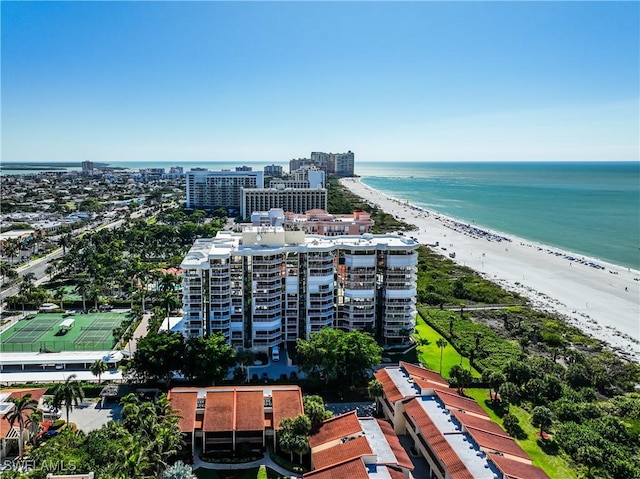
point(454, 401)
point(219, 412)
point(468, 420)
point(391, 391)
point(420, 372)
point(249, 410)
point(185, 405)
point(36, 394)
point(436, 441)
point(336, 428)
point(516, 469)
point(395, 474)
point(402, 459)
point(286, 404)
point(353, 469)
point(504, 444)
point(342, 452)
point(425, 384)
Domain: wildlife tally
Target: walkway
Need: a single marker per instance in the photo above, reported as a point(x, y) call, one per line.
point(266, 460)
point(140, 332)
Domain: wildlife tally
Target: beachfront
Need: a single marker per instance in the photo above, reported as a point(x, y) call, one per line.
point(601, 299)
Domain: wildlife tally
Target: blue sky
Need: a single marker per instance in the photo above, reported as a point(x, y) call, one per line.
point(269, 81)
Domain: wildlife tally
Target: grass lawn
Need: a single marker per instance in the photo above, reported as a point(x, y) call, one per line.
point(254, 473)
point(554, 465)
point(429, 355)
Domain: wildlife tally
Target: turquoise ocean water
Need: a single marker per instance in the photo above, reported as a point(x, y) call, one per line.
point(590, 208)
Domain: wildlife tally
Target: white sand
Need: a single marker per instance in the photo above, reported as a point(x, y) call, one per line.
point(594, 300)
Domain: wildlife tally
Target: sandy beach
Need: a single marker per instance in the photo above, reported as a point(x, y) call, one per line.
point(600, 298)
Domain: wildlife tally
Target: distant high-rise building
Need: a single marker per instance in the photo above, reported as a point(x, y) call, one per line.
point(268, 285)
point(273, 170)
point(297, 200)
point(244, 168)
point(209, 190)
point(344, 164)
point(338, 164)
point(87, 167)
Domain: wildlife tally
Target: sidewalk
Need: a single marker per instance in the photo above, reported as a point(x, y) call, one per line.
point(266, 460)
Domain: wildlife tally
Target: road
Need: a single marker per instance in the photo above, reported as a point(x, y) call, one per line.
point(39, 265)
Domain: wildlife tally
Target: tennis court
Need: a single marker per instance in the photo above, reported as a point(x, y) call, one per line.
point(93, 331)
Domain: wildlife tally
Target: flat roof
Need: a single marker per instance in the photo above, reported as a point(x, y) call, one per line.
point(402, 381)
point(377, 440)
point(62, 357)
point(469, 453)
point(20, 377)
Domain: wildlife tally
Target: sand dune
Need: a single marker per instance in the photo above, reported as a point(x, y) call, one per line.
point(604, 303)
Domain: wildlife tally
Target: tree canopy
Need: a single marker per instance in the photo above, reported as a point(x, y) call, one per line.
point(338, 357)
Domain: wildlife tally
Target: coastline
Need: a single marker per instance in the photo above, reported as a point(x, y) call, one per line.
point(604, 303)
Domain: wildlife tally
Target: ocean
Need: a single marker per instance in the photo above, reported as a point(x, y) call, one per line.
point(588, 208)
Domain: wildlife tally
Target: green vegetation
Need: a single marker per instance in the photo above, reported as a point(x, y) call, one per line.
point(261, 472)
point(429, 353)
point(203, 360)
point(337, 359)
point(341, 201)
point(442, 281)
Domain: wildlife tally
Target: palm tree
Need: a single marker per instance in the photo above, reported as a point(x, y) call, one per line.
point(22, 408)
point(170, 302)
point(178, 471)
point(33, 422)
point(509, 393)
point(375, 391)
point(59, 295)
point(98, 368)
point(441, 343)
point(82, 288)
point(69, 393)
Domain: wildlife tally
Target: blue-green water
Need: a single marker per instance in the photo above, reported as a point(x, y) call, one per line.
point(592, 208)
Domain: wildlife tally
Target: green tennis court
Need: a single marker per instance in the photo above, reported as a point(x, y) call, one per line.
point(93, 331)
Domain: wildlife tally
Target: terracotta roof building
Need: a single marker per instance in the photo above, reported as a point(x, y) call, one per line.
point(7, 431)
point(452, 432)
point(222, 417)
point(349, 446)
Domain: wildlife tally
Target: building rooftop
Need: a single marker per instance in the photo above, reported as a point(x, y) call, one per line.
point(337, 427)
point(344, 451)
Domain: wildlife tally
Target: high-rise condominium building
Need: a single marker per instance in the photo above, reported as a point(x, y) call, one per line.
point(267, 285)
point(296, 200)
point(338, 164)
point(209, 190)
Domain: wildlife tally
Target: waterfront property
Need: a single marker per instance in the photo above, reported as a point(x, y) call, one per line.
point(452, 432)
point(297, 200)
point(267, 285)
point(221, 418)
point(317, 222)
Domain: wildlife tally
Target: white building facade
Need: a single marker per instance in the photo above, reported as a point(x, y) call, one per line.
point(220, 189)
point(266, 285)
point(296, 200)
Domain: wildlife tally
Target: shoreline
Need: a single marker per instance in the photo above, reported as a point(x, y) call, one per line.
point(602, 301)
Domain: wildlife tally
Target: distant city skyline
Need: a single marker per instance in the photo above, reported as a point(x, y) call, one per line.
point(271, 81)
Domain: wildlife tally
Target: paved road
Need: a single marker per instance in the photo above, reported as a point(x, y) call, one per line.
point(39, 265)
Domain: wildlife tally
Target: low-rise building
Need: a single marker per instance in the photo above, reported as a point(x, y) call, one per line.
point(351, 446)
point(452, 432)
point(221, 418)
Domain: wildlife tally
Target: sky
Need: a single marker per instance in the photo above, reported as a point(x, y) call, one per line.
point(271, 81)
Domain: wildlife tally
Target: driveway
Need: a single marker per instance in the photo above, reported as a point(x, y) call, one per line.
point(88, 416)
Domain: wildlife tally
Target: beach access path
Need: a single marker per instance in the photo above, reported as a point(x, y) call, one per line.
point(604, 301)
